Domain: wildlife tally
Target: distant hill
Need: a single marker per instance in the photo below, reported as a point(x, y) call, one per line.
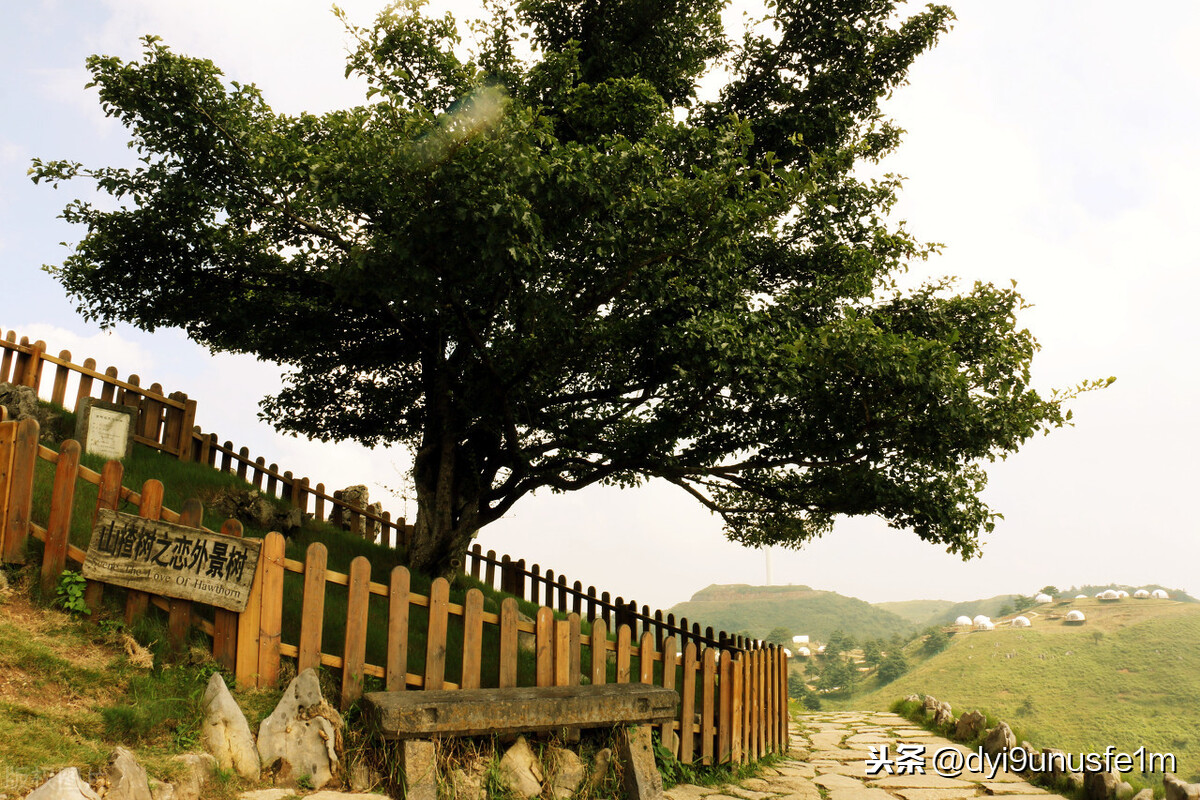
point(1129, 676)
point(918, 612)
point(1093, 589)
point(988, 607)
point(758, 610)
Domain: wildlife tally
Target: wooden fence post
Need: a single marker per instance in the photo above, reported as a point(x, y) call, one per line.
point(18, 488)
point(355, 651)
point(270, 621)
point(544, 652)
point(687, 708)
point(312, 608)
point(599, 652)
point(396, 677)
point(136, 601)
point(28, 370)
point(435, 644)
point(58, 528)
point(669, 659)
point(508, 643)
point(107, 497)
point(58, 394)
point(225, 623)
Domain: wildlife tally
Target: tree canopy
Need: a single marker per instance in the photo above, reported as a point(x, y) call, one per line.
point(606, 242)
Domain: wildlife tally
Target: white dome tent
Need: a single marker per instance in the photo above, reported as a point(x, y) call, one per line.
point(1160, 594)
point(1075, 617)
point(1109, 595)
point(981, 618)
point(1081, 597)
point(1121, 593)
point(964, 621)
point(984, 624)
point(1021, 622)
point(803, 652)
point(1141, 594)
point(1042, 597)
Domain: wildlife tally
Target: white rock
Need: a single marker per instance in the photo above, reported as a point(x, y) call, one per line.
point(303, 735)
point(66, 785)
point(197, 769)
point(126, 778)
point(567, 774)
point(225, 732)
point(520, 770)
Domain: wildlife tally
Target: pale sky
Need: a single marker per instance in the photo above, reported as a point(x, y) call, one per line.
point(1050, 143)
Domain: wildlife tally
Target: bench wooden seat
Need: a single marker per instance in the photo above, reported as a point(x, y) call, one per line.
point(415, 718)
point(528, 709)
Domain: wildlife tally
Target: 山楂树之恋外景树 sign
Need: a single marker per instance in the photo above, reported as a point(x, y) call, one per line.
point(171, 560)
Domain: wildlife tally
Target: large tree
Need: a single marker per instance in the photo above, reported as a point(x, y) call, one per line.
point(608, 242)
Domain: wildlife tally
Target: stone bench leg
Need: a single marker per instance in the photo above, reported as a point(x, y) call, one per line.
point(419, 766)
point(642, 781)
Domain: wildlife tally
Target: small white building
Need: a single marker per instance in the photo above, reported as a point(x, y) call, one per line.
point(800, 639)
point(964, 621)
point(1042, 597)
point(1075, 617)
point(1141, 594)
point(1159, 594)
point(1021, 622)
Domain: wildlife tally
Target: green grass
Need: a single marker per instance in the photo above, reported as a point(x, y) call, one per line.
point(68, 696)
point(182, 481)
point(1130, 677)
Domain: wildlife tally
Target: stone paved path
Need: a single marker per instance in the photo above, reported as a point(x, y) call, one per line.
point(828, 761)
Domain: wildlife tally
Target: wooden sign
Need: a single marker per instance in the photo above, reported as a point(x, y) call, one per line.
point(171, 560)
point(105, 429)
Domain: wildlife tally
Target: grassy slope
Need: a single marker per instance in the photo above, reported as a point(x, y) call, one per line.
point(1136, 683)
point(68, 696)
point(798, 609)
point(186, 480)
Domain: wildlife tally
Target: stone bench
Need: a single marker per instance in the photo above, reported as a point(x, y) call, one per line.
point(416, 717)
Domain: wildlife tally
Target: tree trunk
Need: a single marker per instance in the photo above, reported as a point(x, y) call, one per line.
point(448, 496)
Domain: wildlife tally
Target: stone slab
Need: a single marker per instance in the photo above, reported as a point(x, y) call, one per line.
point(920, 782)
point(640, 775)
point(861, 793)
point(834, 780)
point(937, 794)
point(1012, 787)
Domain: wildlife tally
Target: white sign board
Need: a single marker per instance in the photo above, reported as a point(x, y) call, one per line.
point(105, 429)
point(108, 433)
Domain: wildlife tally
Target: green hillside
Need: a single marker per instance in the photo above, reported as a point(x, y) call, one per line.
point(919, 612)
point(758, 610)
point(1130, 677)
point(990, 607)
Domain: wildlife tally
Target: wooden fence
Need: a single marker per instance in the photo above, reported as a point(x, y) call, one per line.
point(167, 423)
point(545, 588)
point(733, 703)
